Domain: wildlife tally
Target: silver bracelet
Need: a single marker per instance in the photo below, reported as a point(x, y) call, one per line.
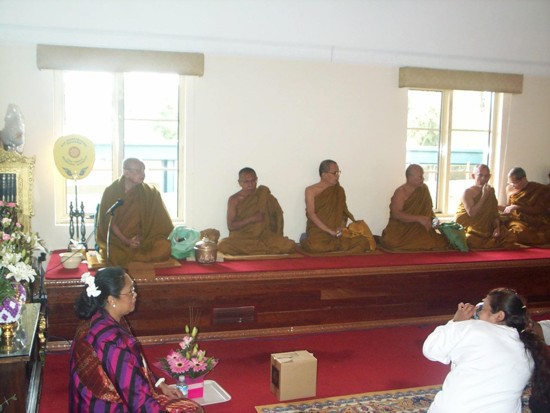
point(160, 381)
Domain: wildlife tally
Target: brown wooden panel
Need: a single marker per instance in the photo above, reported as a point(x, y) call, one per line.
point(295, 299)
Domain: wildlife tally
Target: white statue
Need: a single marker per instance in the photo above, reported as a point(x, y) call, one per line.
point(13, 134)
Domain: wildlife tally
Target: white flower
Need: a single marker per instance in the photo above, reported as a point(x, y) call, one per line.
point(91, 290)
point(9, 258)
point(21, 272)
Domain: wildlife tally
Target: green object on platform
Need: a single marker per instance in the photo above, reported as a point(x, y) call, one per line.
point(183, 240)
point(455, 234)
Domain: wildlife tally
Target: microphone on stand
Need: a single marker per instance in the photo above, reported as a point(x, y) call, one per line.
point(111, 210)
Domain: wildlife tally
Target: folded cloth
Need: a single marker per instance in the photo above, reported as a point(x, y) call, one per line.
point(360, 228)
point(456, 235)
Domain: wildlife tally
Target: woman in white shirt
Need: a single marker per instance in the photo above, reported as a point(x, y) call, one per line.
point(490, 366)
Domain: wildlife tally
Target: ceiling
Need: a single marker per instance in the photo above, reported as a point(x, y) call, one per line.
point(491, 35)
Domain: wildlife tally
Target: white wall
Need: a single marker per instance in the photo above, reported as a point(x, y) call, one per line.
point(282, 118)
point(287, 85)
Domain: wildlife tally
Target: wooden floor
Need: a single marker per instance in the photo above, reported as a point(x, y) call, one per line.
point(243, 304)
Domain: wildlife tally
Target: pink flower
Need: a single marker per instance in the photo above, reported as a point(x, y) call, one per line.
point(197, 365)
point(11, 204)
point(187, 340)
point(179, 365)
point(173, 355)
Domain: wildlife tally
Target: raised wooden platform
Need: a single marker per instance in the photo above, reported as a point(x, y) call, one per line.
point(239, 299)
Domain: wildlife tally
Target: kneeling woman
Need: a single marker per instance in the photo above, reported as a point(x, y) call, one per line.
point(107, 370)
point(492, 358)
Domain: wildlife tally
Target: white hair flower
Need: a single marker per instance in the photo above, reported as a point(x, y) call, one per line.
point(91, 290)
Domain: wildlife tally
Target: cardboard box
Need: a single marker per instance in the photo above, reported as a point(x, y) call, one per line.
point(293, 375)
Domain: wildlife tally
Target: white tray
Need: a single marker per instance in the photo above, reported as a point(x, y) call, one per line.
point(213, 393)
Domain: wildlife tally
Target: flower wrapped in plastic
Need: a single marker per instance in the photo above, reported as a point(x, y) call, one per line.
point(188, 360)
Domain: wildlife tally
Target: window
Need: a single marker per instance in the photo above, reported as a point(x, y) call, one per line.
point(125, 115)
point(448, 133)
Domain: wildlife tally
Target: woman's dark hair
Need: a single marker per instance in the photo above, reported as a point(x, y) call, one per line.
point(109, 281)
point(517, 316)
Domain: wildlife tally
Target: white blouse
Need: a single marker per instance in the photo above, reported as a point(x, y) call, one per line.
point(490, 367)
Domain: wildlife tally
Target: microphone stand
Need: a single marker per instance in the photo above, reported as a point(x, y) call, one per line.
point(109, 238)
point(111, 212)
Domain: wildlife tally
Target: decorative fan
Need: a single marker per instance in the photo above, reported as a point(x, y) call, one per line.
point(74, 157)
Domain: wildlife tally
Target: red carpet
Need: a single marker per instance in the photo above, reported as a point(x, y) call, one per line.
point(348, 362)
point(376, 259)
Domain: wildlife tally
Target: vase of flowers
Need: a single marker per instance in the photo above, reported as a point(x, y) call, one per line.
point(188, 363)
point(16, 248)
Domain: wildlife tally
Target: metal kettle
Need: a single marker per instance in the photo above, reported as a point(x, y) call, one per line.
point(206, 251)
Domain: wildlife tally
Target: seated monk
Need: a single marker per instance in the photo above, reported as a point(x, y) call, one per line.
point(411, 214)
point(478, 214)
point(525, 214)
point(255, 221)
point(327, 215)
point(140, 226)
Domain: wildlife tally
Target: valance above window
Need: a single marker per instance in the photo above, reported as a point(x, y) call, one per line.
point(118, 60)
point(423, 78)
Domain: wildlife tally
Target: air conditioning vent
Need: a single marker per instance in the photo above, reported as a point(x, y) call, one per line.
point(234, 315)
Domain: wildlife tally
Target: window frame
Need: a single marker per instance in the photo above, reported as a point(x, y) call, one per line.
point(497, 145)
point(61, 195)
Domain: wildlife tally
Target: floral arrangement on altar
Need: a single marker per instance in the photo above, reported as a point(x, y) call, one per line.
point(188, 360)
point(16, 247)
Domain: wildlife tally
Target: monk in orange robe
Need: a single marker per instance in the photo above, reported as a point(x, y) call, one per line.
point(526, 211)
point(411, 214)
point(255, 221)
point(478, 214)
point(327, 215)
point(140, 225)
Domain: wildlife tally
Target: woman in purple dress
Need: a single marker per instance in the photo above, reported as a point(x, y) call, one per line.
point(107, 370)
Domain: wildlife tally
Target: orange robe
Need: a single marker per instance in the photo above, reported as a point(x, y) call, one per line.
point(264, 237)
point(412, 236)
point(143, 213)
point(331, 208)
point(532, 228)
point(479, 229)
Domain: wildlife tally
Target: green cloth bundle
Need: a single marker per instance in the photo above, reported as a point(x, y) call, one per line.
point(455, 234)
point(182, 241)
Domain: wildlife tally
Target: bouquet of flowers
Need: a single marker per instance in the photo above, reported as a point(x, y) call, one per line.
point(16, 249)
point(188, 360)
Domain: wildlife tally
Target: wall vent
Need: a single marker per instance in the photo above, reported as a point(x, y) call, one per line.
point(234, 315)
